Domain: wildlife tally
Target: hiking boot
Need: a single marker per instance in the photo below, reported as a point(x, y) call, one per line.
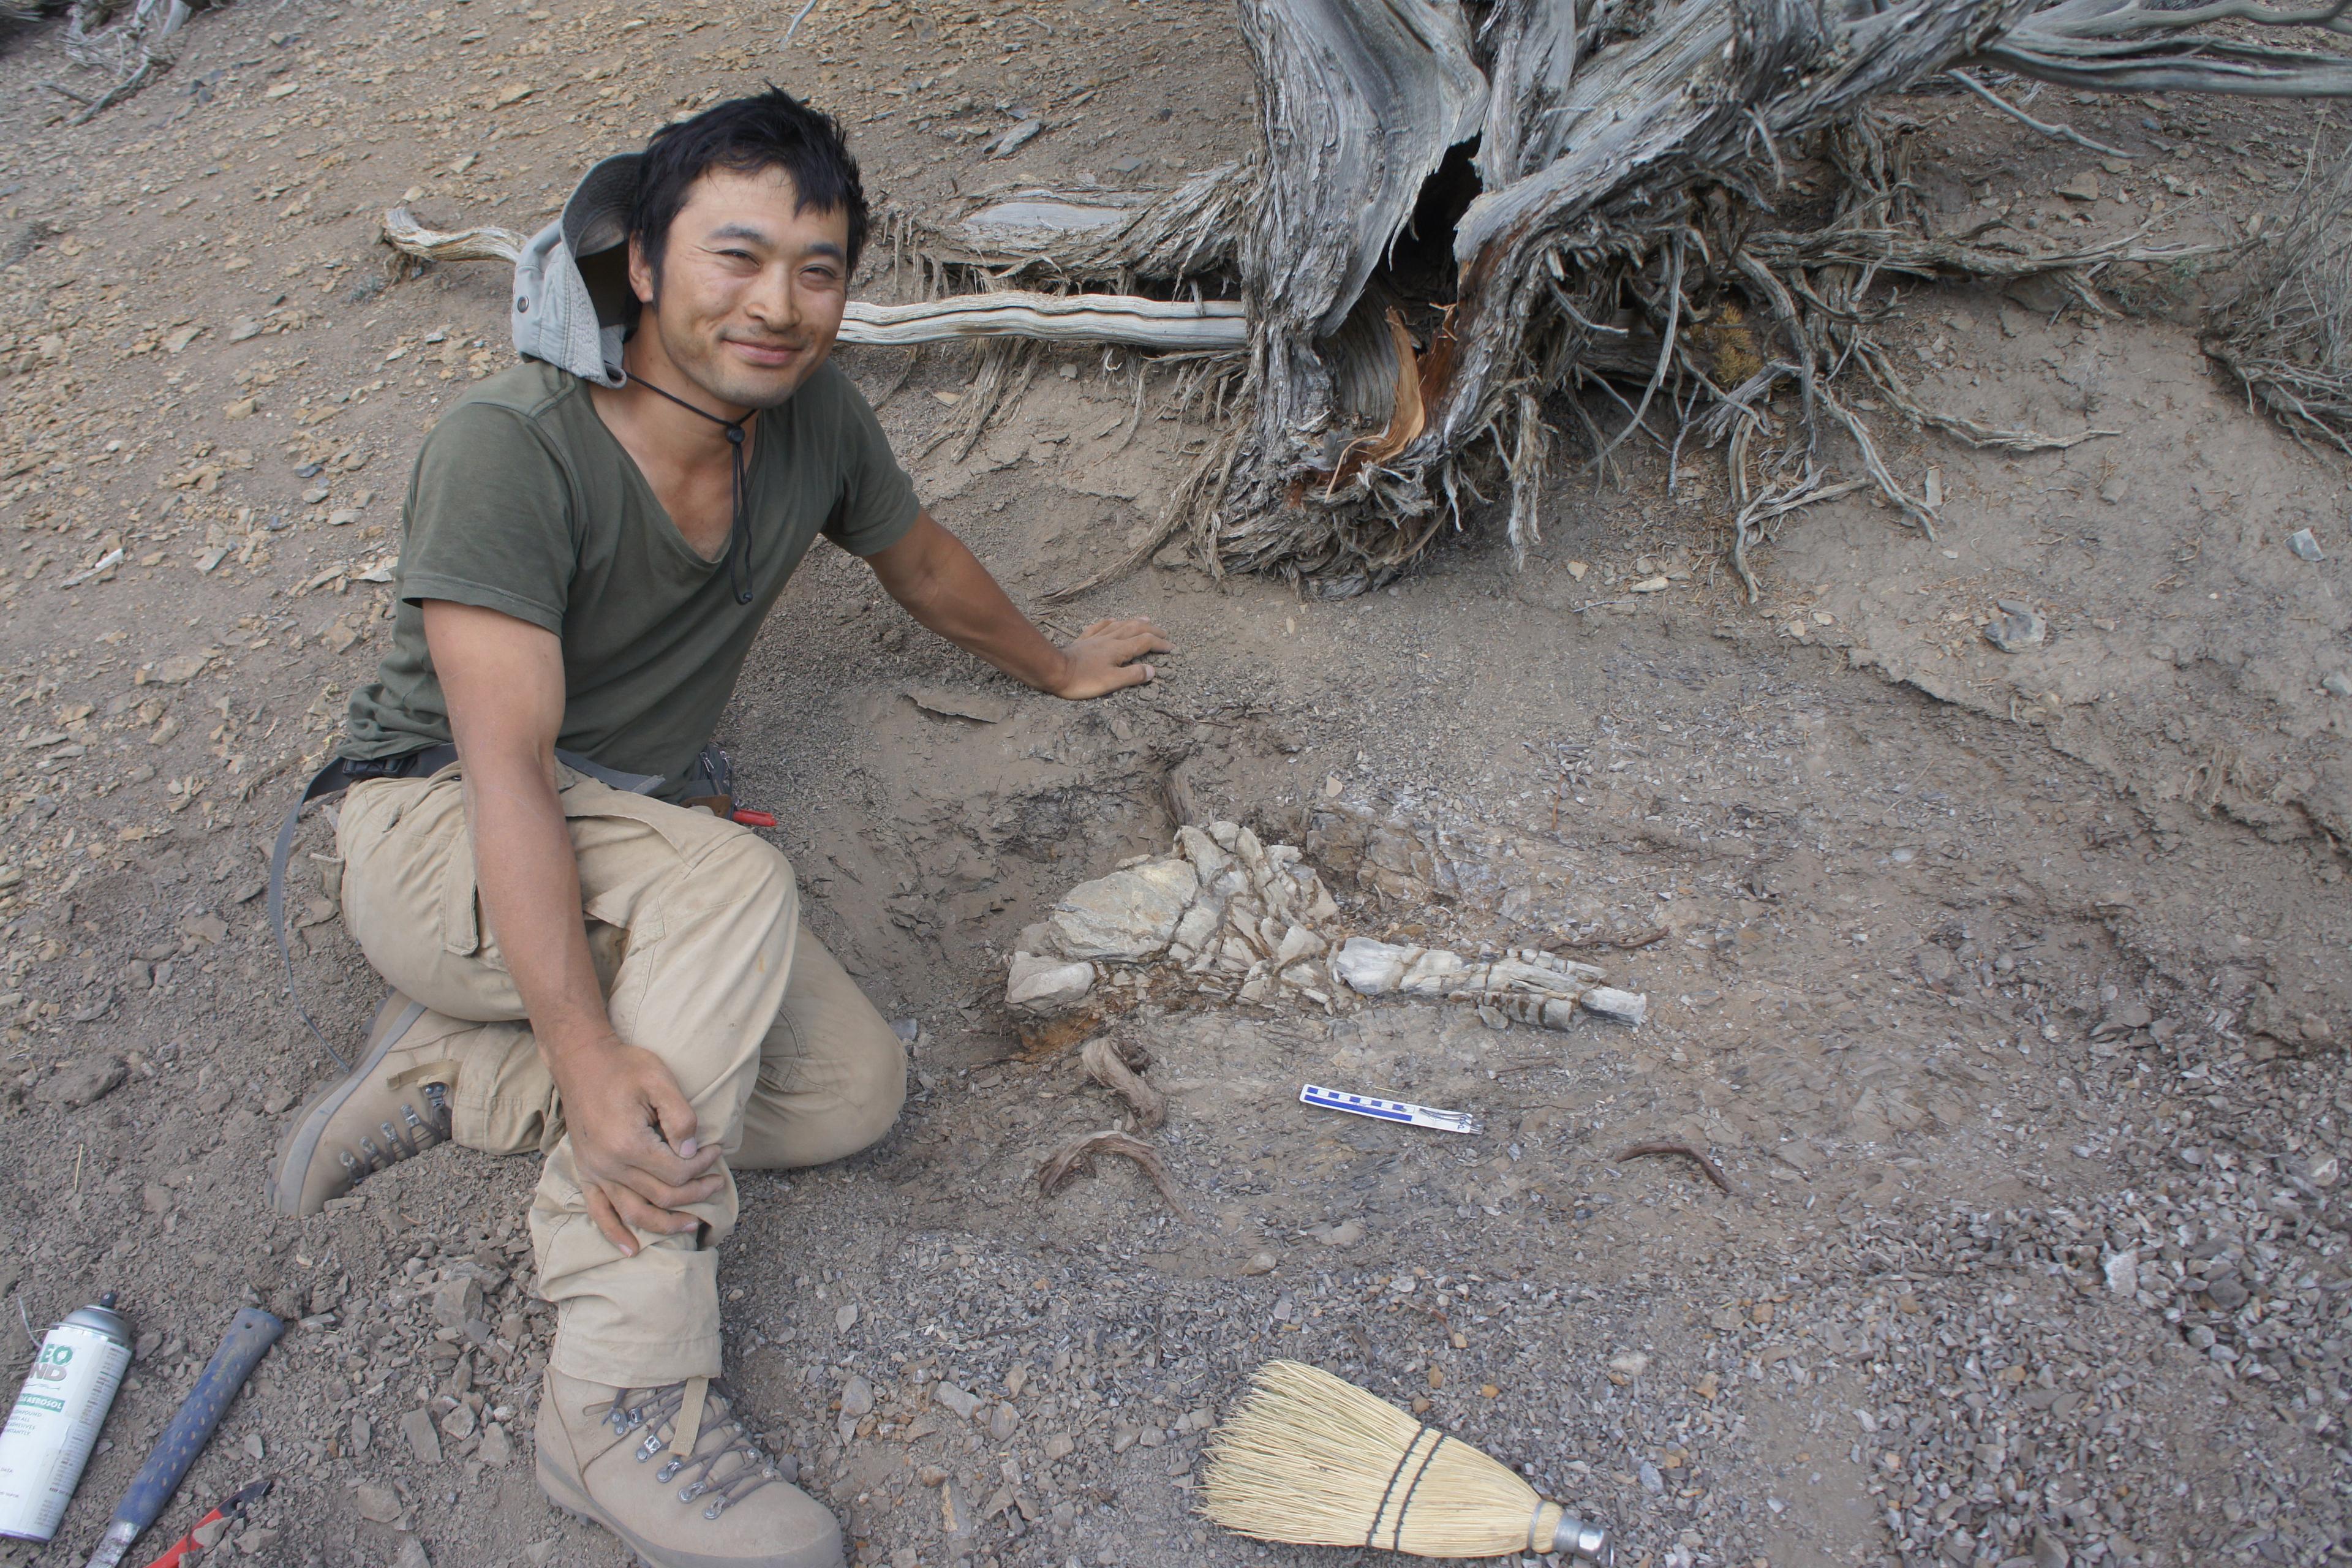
point(384, 1110)
point(685, 1487)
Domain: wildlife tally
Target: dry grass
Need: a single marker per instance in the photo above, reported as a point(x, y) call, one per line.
point(2287, 334)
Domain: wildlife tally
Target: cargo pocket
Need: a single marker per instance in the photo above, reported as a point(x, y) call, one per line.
point(624, 842)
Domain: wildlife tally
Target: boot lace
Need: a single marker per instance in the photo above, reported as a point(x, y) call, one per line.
point(659, 1413)
point(413, 1133)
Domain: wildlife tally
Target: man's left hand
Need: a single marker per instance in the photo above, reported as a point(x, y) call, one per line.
point(1108, 657)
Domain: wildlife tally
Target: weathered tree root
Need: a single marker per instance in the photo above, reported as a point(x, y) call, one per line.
point(1077, 1159)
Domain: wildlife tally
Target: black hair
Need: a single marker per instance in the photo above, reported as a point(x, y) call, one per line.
point(771, 130)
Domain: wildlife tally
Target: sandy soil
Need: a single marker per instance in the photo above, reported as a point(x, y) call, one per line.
point(2008, 991)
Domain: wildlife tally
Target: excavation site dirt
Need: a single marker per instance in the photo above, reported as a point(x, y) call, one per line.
point(1969, 1192)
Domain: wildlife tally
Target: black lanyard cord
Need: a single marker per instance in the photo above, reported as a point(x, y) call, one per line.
point(739, 538)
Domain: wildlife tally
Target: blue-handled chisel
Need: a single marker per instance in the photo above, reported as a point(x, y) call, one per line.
point(241, 1350)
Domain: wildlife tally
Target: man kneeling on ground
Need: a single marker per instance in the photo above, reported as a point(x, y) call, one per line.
point(588, 957)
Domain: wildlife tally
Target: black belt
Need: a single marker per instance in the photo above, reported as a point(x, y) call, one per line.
point(339, 775)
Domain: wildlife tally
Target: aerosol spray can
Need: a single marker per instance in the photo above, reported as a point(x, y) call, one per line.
point(54, 1425)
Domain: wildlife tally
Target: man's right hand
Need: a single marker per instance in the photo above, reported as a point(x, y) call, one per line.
point(633, 1143)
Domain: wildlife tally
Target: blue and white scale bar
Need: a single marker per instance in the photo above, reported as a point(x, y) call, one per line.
point(1387, 1109)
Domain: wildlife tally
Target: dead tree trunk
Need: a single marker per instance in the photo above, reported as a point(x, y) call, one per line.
point(1609, 177)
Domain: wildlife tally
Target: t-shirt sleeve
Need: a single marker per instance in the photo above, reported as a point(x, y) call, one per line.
point(488, 520)
point(878, 504)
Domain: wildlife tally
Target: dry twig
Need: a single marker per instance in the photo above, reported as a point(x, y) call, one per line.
point(1077, 1159)
point(1705, 1164)
point(2287, 334)
point(1565, 943)
point(1119, 1067)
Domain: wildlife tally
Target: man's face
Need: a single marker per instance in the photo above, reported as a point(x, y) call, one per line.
point(751, 286)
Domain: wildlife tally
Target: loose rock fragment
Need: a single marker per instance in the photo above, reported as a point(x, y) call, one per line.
point(2017, 628)
point(80, 1083)
point(422, 1440)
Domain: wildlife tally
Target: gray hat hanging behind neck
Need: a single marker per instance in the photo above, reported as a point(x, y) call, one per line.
point(571, 281)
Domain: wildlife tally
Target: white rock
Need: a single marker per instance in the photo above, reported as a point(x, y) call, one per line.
point(1208, 859)
point(1370, 966)
point(1128, 915)
point(1298, 942)
point(1225, 834)
point(1198, 925)
point(2123, 1272)
point(1043, 985)
point(1625, 1006)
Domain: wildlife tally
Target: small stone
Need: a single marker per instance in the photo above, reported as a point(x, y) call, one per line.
point(422, 1440)
point(497, 1449)
point(207, 1534)
point(2305, 544)
point(362, 1434)
point(1261, 1262)
point(931, 1475)
point(2083, 186)
point(1631, 1364)
point(540, 1553)
point(2123, 1272)
point(460, 1422)
point(457, 1301)
point(845, 1319)
point(247, 327)
point(1124, 1437)
point(963, 1402)
point(1013, 140)
point(1129, 165)
point(1002, 1422)
point(2017, 629)
point(1652, 1481)
point(412, 1554)
point(858, 1398)
point(2047, 1552)
point(82, 1082)
point(342, 515)
point(1060, 1446)
point(957, 1521)
point(2114, 490)
point(1044, 987)
point(314, 495)
point(2227, 1293)
point(2337, 685)
point(380, 1505)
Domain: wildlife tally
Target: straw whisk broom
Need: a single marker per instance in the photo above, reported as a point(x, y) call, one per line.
point(1315, 1461)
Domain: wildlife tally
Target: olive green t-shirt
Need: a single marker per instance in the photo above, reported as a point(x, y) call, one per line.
point(522, 501)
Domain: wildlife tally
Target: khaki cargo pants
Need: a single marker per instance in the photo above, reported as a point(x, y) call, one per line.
point(695, 927)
